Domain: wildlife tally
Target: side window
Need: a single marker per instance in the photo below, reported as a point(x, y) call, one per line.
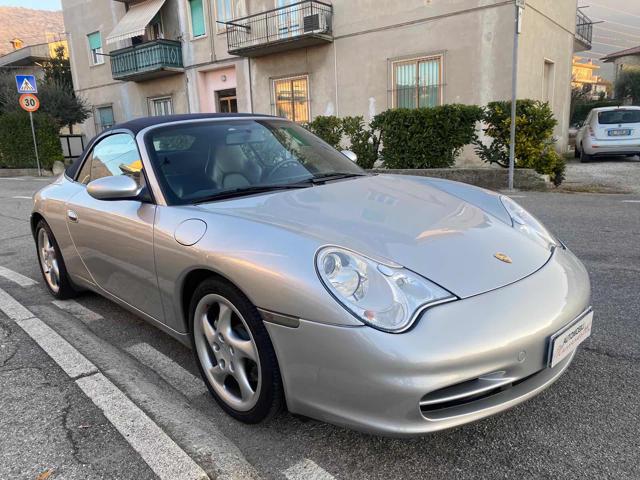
point(115, 155)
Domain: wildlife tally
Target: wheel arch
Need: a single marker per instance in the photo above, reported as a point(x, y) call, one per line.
point(34, 220)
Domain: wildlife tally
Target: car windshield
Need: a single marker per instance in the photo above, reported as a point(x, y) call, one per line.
point(618, 117)
point(201, 161)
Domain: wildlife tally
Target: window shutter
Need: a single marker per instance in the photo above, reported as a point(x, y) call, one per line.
point(95, 40)
point(197, 18)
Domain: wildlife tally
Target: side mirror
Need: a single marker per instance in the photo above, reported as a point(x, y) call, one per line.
point(350, 155)
point(119, 187)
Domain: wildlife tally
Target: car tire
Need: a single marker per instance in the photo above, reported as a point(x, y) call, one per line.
point(232, 348)
point(584, 157)
point(576, 152)
point(52, 266)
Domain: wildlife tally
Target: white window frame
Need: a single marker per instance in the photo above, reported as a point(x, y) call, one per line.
point(549, 88)
point(417, 60)
point(291, 78)
point(152, 105)
point(94, 59)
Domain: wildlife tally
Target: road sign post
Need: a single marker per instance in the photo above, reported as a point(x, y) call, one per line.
point(30, 103)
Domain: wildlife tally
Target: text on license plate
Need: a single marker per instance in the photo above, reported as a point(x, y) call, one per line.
point(567, 340)
point(619, 133)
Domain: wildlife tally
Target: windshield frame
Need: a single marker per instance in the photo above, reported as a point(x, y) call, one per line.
point(145, 145)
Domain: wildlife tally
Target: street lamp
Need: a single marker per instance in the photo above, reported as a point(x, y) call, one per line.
point(520, 4)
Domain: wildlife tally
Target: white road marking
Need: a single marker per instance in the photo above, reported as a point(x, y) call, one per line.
point(79, 311)
point(63, 353)
point(630, 201)
point(162, 454)
point(22, 196)
point(156, 448)
point(173, 373)
point(12, 308)
point(16, 277)
point(307, 470)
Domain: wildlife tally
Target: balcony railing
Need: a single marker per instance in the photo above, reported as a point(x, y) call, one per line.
point(584, 32)
point(299, 25)
point(147, 60)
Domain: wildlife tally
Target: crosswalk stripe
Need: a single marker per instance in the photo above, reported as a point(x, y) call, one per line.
point(307, 470)
point(77, 310)
point(16, 277)
point(173, 373)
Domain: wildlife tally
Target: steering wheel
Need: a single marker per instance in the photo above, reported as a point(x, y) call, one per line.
point(280, 166)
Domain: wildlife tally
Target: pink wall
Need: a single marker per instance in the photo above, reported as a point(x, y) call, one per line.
point(211, 81)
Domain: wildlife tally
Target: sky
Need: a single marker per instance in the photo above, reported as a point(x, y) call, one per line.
point(37, 4)
point(620, 29)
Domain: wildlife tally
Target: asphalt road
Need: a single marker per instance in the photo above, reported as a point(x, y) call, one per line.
point(587, 425)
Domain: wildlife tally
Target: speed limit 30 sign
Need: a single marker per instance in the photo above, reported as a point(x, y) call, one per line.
point(29, 102)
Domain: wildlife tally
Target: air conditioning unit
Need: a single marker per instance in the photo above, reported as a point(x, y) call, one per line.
point(317, 23)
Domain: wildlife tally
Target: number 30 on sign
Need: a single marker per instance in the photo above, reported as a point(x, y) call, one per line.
point(29, 102)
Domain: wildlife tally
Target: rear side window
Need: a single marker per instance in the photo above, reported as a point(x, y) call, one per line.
point(618, 117)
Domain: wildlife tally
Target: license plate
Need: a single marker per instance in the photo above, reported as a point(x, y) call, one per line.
point(567, 340)
point(619, 133)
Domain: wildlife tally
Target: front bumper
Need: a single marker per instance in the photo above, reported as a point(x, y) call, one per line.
point(375, 382)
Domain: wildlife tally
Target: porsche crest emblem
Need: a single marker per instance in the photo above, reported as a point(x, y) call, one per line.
point(503, 257)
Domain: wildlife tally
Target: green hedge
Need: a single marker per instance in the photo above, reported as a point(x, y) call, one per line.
point(426, 137)
point(534, 137)
point(16, 142)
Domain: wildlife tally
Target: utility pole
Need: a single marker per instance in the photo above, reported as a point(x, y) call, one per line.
point(519, 4)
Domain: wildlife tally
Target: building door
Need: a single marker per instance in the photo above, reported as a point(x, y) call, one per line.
point(227, 101)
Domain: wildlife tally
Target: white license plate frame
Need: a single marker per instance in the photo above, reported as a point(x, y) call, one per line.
point(619, 132)
point(566, 340)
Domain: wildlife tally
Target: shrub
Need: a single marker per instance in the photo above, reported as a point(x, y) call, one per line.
point(426, 137)
point(628, 84)
point(363, 140)
point(534, 137)
point(328, 128)
point(16, 142)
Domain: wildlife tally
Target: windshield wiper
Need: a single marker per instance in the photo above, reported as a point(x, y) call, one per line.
point(239, 192)
point(326, 177)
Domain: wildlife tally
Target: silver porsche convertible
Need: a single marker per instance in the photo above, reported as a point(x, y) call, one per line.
point(395, 305)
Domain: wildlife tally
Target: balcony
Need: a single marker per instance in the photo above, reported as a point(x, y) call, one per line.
point(157, 58)
point(584, 33)
point(299, 25)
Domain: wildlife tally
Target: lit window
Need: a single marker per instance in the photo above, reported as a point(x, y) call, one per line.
point(417, 83)
point(291, 97)
point(95, 48)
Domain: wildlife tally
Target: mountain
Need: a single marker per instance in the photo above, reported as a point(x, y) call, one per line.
point(30, 26)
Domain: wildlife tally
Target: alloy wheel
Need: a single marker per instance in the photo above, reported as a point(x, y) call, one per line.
point(227, 352)
point(48, 260)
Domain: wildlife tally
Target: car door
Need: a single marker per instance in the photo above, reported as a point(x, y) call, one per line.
point(114, 238)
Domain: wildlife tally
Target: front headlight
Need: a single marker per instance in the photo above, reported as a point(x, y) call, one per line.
point(528, 224)
point(386, 297)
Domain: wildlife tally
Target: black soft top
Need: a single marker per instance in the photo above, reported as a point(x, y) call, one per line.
point(138, 124)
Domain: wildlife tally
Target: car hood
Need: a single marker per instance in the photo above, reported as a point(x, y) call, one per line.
point(403, 219)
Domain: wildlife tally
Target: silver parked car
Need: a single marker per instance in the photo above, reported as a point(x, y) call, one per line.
point(395, 305)
point(609, 131)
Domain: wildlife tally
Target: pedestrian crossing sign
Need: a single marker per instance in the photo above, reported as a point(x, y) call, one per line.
point(26, 84)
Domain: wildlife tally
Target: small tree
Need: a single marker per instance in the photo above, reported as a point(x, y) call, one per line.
point(59, 101)
point(58, 69)
point(628, 85)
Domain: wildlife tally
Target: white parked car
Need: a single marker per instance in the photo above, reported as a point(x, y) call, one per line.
point(609, 131)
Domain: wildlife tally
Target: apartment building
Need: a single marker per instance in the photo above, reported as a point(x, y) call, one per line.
point(300, 59)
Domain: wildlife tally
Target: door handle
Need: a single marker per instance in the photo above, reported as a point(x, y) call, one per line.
point(72, 216)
